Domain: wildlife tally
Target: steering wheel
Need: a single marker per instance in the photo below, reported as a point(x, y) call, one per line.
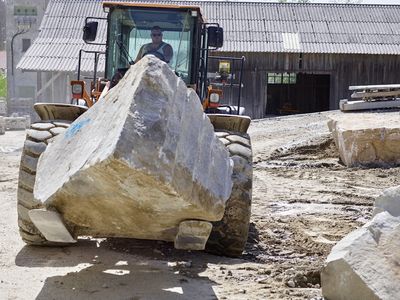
point(156, 54)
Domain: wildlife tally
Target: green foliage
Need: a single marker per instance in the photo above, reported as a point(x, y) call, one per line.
point(3, 85)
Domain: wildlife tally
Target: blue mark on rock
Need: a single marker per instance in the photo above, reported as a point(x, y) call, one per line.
point(75, 127)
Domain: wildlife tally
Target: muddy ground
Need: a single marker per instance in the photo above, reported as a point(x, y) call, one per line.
point(304, 201)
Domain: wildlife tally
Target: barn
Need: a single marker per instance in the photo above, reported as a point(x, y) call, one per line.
point(300, 57)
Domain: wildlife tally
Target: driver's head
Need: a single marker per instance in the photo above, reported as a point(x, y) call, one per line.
point(156, 35)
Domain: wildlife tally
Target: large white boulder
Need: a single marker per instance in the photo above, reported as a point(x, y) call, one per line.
point(138, 162)
point(388, 201)
point(370, 139)
point(366, 263)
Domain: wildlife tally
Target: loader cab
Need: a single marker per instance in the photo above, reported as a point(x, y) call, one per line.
point(130, 27)
point(183, 28)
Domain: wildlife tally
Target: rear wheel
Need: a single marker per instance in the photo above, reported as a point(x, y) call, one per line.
point(38, 137)
point(229, 236)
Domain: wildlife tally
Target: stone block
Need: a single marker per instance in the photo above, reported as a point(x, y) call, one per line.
point(27, 121)
point(388, 201)
point(19, 107)
point(346, 105)
point(15, 123)
point(3, 107)
point(192, 235)
point(2, 125)
point(139, 162)
point(367, 139)
point(366, 263)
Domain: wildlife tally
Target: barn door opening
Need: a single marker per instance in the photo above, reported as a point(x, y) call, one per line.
point(296, 93)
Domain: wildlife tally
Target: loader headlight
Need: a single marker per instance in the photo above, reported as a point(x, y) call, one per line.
point(77, 89)
point(214, 98)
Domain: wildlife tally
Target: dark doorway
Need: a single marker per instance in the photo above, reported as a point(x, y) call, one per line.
point(291, 93)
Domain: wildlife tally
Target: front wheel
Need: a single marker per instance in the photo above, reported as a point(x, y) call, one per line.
point(37, 139)
point(229, 236)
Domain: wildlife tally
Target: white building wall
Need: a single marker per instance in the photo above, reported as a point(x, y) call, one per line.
point(23, 21)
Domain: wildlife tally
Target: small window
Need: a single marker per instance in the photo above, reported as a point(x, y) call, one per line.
point(26, 43)
point(292, 78)
point(274, 78)
point(25, 10)
point(281, 78)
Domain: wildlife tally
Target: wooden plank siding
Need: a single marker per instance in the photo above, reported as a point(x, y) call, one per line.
point(344, 70)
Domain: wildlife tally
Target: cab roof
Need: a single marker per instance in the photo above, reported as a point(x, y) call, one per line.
point(155, 5)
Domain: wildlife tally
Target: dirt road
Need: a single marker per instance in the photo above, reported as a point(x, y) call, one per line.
point(304, 200)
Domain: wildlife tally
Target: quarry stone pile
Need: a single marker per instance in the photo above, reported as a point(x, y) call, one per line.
point(366, 263)
point(139, 162)
point(367, 139)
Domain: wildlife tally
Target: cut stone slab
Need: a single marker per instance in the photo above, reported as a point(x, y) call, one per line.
point(388, 201)
point(366, 263)
point(193, 235)
point(16, 123)
point(2, 125)
point(51, 225)
point(139, 162)
point(3, 107)
point(346, 105)
point(367, 139)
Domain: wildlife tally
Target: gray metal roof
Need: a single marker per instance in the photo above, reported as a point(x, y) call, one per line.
point(248, 27)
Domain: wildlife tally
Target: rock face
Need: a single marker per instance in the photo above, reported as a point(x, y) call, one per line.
point(138, 162)
point(388, 201)
point(366, 263)
point(367, 139)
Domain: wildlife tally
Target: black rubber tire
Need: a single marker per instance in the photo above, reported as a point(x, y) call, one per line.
point(38, 137)
point(229, 236)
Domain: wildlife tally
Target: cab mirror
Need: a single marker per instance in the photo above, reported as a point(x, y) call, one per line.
point(215, 36)
point(90, 31)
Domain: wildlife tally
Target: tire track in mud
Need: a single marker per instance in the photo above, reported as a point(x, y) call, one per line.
point(305, 201)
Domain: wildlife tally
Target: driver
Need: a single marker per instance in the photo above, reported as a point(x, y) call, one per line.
point(157, 47)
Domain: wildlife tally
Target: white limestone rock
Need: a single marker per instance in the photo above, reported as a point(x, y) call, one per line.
point(367, 139)
point(139, 161)
point(366, 263)
point(388, 201)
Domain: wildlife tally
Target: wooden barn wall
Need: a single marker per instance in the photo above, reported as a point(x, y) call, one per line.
point(344, 70)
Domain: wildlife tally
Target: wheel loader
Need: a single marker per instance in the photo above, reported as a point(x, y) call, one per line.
point(128, 26)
